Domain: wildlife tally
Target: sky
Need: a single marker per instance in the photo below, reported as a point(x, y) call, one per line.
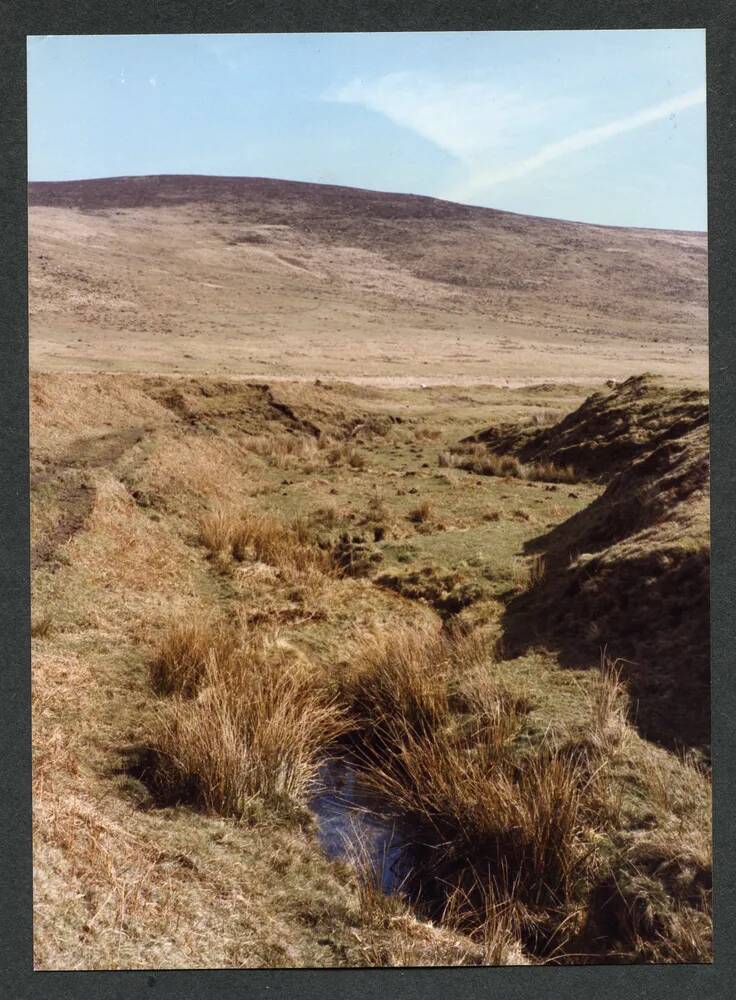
point(595, 126)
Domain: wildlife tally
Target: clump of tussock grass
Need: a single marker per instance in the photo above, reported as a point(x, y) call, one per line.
point(499, 933)
point(398, 675)
point(346, 453)
point(516, 826)
point(183, 653)
point(476, 458)
point(439, 746)
point(273, 541)
point(283, 450)
point(287, 450)
point(216, 529)
point(609, 706)
point(239, 535)
point(255, 733)
point(421, 513)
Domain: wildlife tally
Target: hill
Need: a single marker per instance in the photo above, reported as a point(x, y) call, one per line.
point(257, 277)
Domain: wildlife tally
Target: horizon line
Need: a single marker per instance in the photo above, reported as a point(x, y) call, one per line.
point(353, 187)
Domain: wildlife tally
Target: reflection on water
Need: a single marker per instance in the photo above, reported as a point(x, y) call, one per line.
point(353, 824)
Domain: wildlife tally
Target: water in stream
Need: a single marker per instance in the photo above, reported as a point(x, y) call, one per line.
point(352, 823)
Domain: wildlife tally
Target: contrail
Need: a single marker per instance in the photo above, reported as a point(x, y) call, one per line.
point(588, 137)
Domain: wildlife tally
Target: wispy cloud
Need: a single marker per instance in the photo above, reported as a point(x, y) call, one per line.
point(463, 118)
point(489, 130)
point(584, 139)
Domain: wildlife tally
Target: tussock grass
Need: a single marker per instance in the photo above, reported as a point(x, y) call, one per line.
point(421, 513)
point(397, 676)
point(499, 933)
point(609, 705)
point(517, 825)
point(183, 653)
point(216, 530)
point(239, 535)
point(477, 459)
point(503, 829)
point(270, 540)
point(285, 451)
point(255, 733)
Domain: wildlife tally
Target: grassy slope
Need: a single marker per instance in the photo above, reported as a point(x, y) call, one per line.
point(630, 571)
point(124, 468)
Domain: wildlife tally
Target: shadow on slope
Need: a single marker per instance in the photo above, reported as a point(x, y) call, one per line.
point(630, 572)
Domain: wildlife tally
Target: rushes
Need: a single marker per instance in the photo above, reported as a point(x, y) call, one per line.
point(439, 747)
point(256, 729)
point(477, 459)
point(399, 676)
point(311, 453)
point(181, 658)
point(232, 535)
point(516, 824)
point(609, 708)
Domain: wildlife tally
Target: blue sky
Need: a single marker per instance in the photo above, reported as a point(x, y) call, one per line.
point(597, 126)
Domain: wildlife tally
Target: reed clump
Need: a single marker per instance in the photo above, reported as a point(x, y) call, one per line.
point(476, 458)
point(253, 731)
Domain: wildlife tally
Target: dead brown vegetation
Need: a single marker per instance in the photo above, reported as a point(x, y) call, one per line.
point(255, 732)
point(477, 459)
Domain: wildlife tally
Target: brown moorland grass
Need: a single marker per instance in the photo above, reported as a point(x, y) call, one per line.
point(184, 652)
point(476, 458)
point(511, 833)
point(238, 534)
point(285, 451)
point(255, 731)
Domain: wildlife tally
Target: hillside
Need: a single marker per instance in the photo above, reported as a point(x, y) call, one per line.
point(630, 571)
point(258, 277)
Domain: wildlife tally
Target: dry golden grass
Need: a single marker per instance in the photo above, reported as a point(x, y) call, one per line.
point(183, 654)
point(239, 535)
point(609, 706)
point(422, 944)
point(402, 675)
point(122, 549)
point(499, 933)
point(285, 450)
point(513, 825)
point(302, 450)
point(255, 731)
point(478, 459)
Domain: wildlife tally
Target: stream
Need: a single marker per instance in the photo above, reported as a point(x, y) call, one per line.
point(353, 823)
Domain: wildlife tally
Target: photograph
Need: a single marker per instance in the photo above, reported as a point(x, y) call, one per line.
point(370, 499)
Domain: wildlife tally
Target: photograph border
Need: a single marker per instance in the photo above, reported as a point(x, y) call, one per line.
point(18, 981)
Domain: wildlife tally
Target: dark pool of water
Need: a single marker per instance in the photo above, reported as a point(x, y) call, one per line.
point(353, 823)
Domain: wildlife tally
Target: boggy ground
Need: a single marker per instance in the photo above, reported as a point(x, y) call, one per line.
point(232, 580)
